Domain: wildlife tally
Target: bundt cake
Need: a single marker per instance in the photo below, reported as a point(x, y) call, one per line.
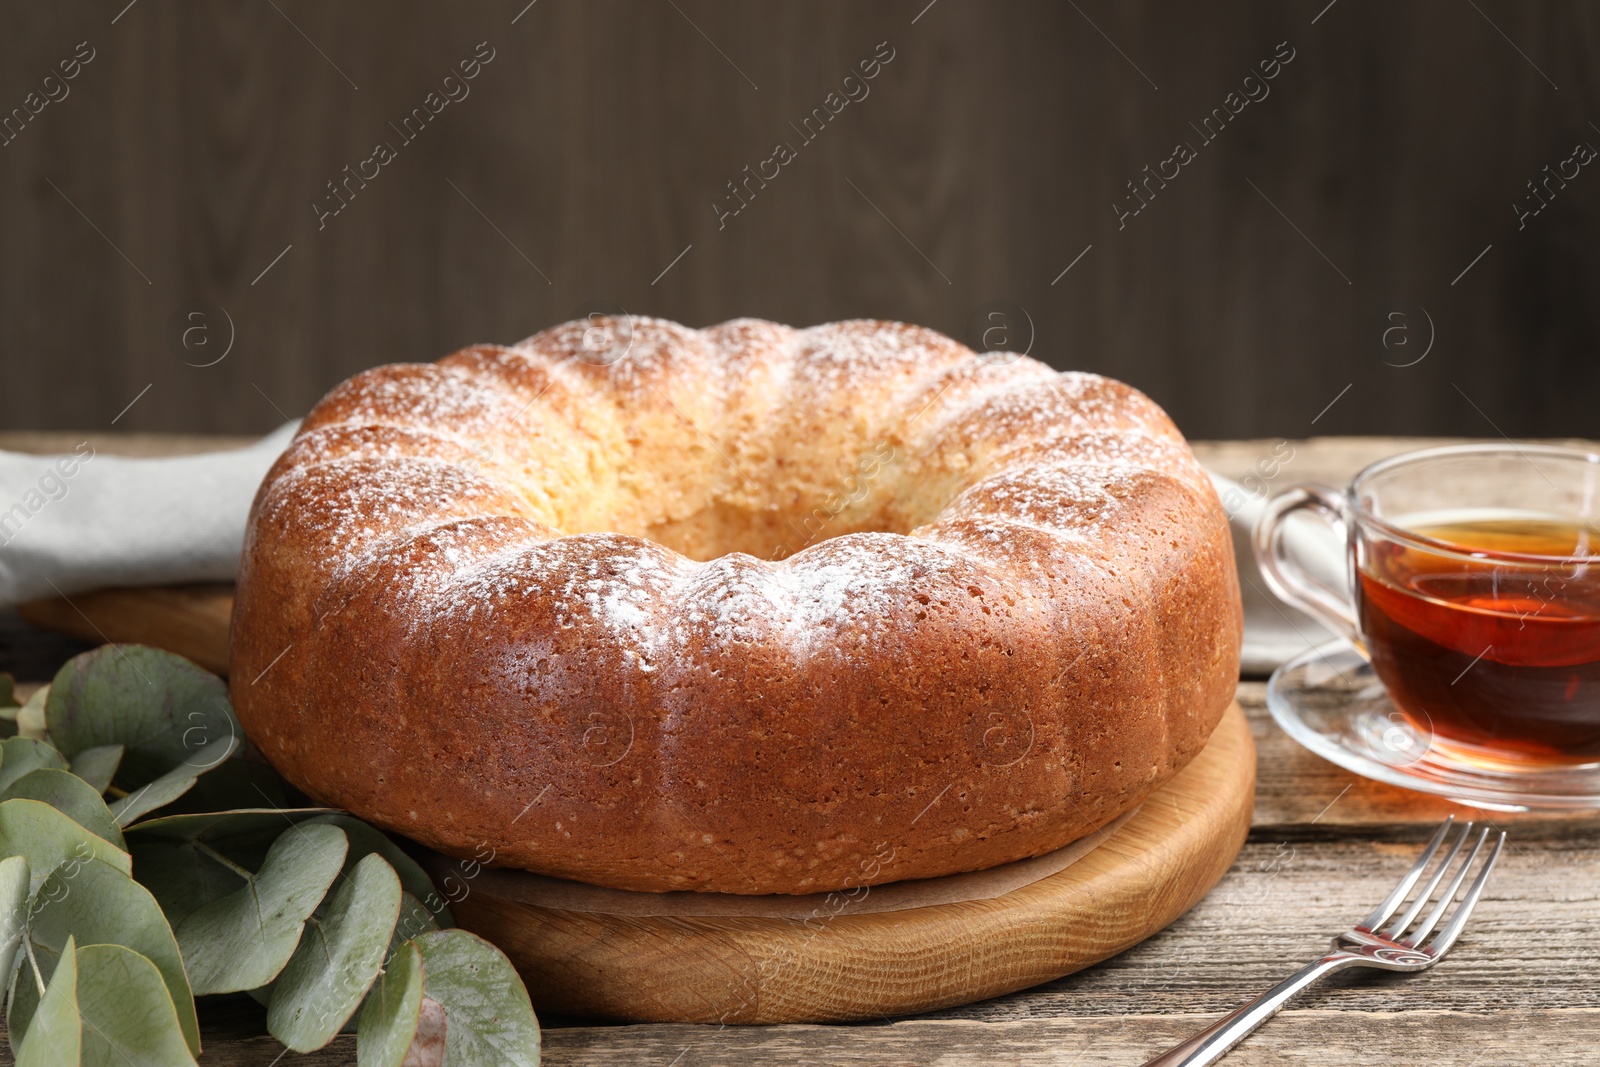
point(747, 609)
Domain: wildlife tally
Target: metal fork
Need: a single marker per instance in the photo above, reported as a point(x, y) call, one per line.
point(1397, 946)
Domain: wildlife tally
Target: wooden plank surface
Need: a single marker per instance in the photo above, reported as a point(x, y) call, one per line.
point(1324, 846)
point(1298, 1038)
point(191, 620)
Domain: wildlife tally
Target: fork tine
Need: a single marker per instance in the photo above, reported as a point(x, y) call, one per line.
point(1392, 901)
point(1399, 926)
point(1452, 929)
point(1449, 897)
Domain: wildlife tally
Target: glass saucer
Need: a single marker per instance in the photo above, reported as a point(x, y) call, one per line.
point(1330, 701)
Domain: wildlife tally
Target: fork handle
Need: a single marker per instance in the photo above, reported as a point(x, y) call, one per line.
point(1212, 1043)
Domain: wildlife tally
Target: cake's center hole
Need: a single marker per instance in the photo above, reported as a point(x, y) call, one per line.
point(774, 510)
point(770, 534)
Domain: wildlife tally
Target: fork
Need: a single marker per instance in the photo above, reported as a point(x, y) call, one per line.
point(1397, 946)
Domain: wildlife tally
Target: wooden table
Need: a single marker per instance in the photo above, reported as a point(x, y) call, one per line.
point(1325, 846)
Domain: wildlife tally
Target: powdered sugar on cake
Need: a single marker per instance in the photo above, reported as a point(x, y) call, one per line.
point(1060, 444)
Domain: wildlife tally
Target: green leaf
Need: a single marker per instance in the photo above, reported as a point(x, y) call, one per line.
point(338, 958)
point(180, 877)
point(30, 717)
point(173, 854)
point(174, 783)
point(68, 793)
point(22, 755)
point(389, 1018)
point(27, 986)
point(490, 1019)
point(98, 765)
point(13, 910)
point(366, 839)
point(55, 1034)
point(415, 920)
point(100, 905)
point(244, 939)
point(49, 839)
point(215, 825)
point(245, 839)
point(163, 709)
point(128, 1018)
point(249, 782)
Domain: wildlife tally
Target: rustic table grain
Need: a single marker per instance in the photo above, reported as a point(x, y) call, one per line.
point(1325, 845)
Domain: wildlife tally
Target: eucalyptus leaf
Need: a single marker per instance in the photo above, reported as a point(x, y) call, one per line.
point(152, 795)
point(13, 910)
point(71, 795)
point(100, 905)
point(338, 958)
point(128, 1018)
point(31, 717)
point(388, 1019)
point(98, 765)
point(23, 755)
point(175, 855)
point(25, 993)
point(250, 782)
point(181, 877)
point(163, 709)
point(415, 920)
point(366, 839)
point(244, 939)
point(243, 838)
point(50, 839)
point(173, 784)
point(215, 825)
point(490, 1019)
point(55, 1033)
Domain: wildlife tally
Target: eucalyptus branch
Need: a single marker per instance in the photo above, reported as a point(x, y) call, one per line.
point(38, 976)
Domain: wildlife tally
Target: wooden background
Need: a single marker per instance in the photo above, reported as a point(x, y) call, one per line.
point(1245, 298)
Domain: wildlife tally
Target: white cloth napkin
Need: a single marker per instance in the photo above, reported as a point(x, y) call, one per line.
point(85, 521)
point(1274, 632)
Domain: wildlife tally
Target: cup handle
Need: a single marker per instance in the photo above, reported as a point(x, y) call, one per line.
point(1288, 579)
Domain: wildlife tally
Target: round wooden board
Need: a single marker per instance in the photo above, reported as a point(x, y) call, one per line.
point(1152, 869)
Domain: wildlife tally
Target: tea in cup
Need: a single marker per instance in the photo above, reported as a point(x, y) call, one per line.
point(1474, 577)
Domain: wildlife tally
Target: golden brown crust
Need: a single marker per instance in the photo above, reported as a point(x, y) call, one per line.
point(748, 610)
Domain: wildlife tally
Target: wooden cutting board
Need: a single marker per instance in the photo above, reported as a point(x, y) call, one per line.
point(191, 620)
point(1151, 870)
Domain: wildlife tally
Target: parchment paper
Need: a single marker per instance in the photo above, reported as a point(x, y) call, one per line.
point(563, 895)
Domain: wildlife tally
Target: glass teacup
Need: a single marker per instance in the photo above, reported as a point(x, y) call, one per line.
point(1474, 577)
